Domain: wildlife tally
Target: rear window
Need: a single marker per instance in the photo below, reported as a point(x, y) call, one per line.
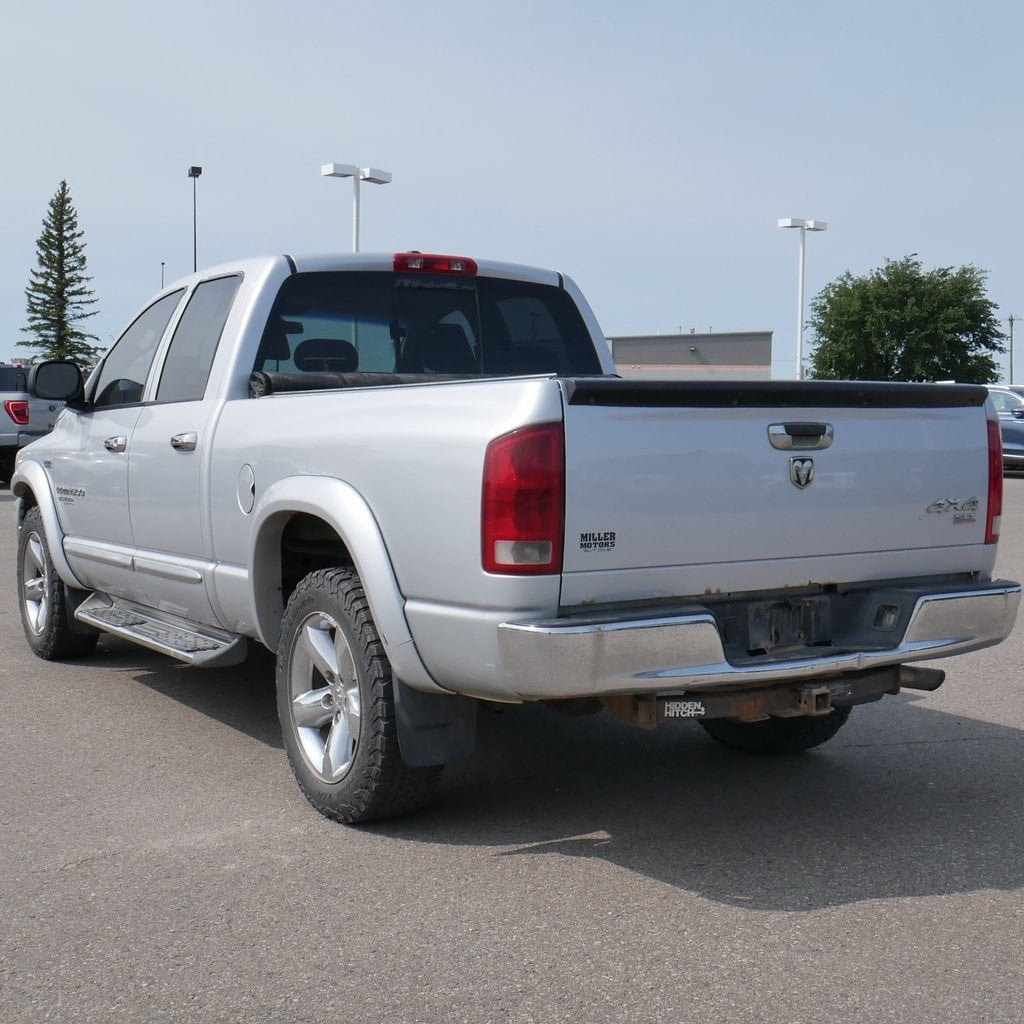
point(423, 323)
point(12, 378)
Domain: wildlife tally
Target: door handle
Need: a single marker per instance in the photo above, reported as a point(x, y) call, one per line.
point(789, 437)
point(185, 442)
point(116, 444)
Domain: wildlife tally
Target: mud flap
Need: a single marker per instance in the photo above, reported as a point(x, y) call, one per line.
point(433, 728)
point(72, 599)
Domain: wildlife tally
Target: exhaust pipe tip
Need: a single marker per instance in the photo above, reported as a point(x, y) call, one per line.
point(918, 677)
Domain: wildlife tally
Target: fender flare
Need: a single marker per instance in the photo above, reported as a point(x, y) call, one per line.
point(343, 508)
point(30, 479)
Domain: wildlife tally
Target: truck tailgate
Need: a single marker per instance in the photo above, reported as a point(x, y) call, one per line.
point(678, 489)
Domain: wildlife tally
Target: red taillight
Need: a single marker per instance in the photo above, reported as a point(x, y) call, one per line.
point(431, 263)
point(17, 409)
point(995, 483)
point(523, 502)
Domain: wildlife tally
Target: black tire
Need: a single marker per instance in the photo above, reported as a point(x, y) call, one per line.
point(6, 467)
point(777, 735)
point(336, 705)
point(42, 598)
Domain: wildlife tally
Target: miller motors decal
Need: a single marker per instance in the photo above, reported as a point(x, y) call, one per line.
point(601, 540)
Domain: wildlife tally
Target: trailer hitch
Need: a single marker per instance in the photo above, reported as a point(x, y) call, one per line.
point(781, 701)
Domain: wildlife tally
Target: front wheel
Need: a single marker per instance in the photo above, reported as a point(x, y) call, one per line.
point(42, 598)
point(335, 700)
point(777, 735)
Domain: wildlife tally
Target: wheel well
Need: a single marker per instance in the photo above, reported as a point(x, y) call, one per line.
point(26, 502)
point(308, 544)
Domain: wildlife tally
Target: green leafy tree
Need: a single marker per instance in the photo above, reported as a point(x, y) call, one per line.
point(905, 323)
point(58, 297)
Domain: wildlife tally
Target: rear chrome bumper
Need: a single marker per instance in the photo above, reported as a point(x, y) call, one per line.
point(594, 656)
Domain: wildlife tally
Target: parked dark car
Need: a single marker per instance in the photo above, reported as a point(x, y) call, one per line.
point(1009, 404)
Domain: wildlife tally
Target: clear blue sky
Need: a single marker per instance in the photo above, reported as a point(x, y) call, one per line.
point(646, 149)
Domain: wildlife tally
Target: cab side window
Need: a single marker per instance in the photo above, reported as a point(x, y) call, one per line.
point(190, 356)
point(123, 374)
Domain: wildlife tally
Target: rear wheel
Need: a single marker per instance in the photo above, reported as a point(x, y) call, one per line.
point(6, 467)
point(777, 735)
point(335, 700)
point(42, 598)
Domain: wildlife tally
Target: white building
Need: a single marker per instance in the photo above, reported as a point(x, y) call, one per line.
point(744, 355)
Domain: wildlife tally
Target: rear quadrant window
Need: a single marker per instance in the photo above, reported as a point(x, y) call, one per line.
point(189, 359)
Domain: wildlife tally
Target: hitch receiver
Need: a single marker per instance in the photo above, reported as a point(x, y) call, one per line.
point(813, 700)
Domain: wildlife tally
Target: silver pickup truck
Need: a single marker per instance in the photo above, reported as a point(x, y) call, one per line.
point(22, 417)
point(419, 481)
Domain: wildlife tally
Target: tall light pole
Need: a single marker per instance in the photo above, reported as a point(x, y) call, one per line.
point(804, 226)
point(193, 173)
point(357, 174)
point(1013, 319)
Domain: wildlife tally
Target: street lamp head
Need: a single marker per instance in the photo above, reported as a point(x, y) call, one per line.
point(339, 170)
point(807, 225)
point(371, 174)
point(194, 172)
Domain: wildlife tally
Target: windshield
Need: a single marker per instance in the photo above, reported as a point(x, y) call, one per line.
point(424, 323)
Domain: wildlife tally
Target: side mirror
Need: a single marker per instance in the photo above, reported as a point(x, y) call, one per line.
point(58, 380)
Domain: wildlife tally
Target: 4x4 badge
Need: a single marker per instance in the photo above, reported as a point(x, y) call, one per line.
point(801, 471)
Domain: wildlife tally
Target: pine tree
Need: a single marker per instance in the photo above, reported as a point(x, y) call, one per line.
point(58, 296)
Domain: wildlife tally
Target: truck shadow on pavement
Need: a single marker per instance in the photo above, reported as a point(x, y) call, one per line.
point(905, 802)
point(241, 697)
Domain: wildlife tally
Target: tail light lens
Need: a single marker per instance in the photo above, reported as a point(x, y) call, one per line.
point(17, 409)
point(995, 483)
point(523, 502)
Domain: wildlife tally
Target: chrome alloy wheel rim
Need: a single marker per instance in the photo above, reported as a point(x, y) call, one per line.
point(324, 691)
point(35, 582)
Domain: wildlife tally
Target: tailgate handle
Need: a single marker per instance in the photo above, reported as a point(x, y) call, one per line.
point(800, 436)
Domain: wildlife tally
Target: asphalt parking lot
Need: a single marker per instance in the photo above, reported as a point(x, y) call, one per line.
point(159, 864)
